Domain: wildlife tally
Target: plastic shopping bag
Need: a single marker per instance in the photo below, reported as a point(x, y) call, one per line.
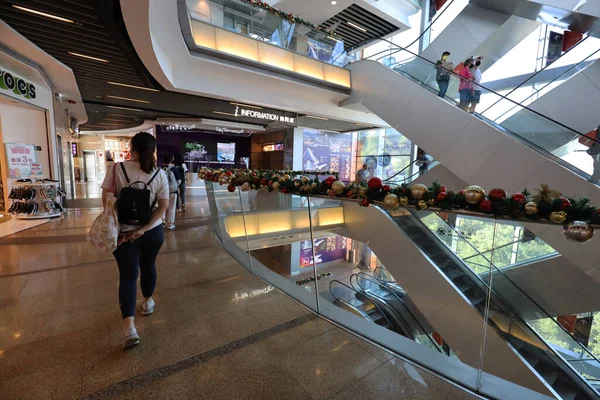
point(104, 232)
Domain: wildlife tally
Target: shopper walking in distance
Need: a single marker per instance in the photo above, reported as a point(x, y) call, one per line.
point(180, 172)
point(362, 174)
point(476, 93)
point(169, 217)
point(443, 69)
point(141, 239)
point(466, 86)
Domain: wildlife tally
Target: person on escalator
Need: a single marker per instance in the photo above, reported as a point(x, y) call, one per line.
point(443, 68)
point(592, 142)
point(465, 88)
point(476, 94)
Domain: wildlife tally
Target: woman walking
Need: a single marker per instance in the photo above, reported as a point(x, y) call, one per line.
point(138, 245)
point(180, 171)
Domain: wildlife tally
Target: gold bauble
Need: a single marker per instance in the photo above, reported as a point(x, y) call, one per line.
point(531, 208)
point(474, 194)
point(431, 202)
point(275, 186)
point(304, 179)
point(391, 202)
point(578, 231)
point(363, 191)
point(245, 187)
point(421, 205)
point(313, 185)
point(403, 200)
point(418, 190)
point(297, 183)
point(558, 217)
point(338, 187)
point(285, 177)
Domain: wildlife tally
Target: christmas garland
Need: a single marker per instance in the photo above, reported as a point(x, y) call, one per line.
point(289, 16)
point(545, 205)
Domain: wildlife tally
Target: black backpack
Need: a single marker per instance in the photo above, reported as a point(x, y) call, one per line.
point(133, 205)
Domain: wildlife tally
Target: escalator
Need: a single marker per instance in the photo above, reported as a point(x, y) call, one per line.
point(405, 98)
point(358, 303)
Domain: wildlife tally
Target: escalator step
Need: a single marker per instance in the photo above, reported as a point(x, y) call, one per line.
point(549, 377)
point(453, 273)
point(463, 284)
point(565, 392)
point(532, 359)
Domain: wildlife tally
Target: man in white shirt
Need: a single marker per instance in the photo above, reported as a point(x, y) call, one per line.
point(362, 174)
point(476, 94)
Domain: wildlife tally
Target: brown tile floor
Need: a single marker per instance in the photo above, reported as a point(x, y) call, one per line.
point(60, 330)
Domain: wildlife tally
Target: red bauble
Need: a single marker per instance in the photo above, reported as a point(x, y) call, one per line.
point(486, 205)
point(386, 188)
point(228, 173)
point(365, 203)
point(442, 189)
point(208, 174)
point(461, 192)
point(441, 196)
point(231, 188)
point(329, 181)
point(497, 194)
point(375, 183)
point(264, 182)
point(284, 190)
point(564, 204)
point(270, 183)
point(349, 194)
point(519, 198)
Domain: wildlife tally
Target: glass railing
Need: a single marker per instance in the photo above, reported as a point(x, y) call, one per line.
point(333, 257)
point(540, 132)
point(255, 22)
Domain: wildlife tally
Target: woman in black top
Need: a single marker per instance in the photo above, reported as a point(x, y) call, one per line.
point(180, 170)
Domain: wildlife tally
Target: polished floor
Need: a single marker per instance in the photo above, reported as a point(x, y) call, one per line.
point(217, 333)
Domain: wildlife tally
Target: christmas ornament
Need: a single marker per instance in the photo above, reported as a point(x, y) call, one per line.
point(362, 191)
point(578, 231)
point(375, 183)
point(431, 202)
point(284, 191)
point(338, 187)
point(231, 188)
point(365, 202)
point(474, 194)
point(391, 202)
point(531, 208)
point(304, 179)
point(421, 205)
point(329, 181)
point(264, 182)
point(403, 200)
point(497, 194)
point(519, 198)
point(296, 183)
point(441, 196)
point(313, 185)
point(563, 204)
point(285, 177)
point(486, 205)
point(558, 217)
point(418, 190)
point(546, 195)
point(441, 188)
point(275, 186)
point(386, 188)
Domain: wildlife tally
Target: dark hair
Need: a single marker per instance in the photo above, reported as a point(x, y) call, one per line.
point(468, 61)
point(446, 53)
point(145, 144)
point(178, 159)
point(364, 165)
point(167, 159)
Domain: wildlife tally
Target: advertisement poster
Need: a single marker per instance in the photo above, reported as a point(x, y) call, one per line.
point(327, 152)
point(226, 153)
point(36, 169)
point(19, 158)
point(326, 250)
point(555, 47)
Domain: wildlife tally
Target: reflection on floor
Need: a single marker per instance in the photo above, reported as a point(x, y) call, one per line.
point(209, 338)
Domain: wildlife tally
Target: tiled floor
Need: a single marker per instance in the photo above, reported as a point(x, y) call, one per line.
point(60, 330)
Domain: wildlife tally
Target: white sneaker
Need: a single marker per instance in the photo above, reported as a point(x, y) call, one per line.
point(171, 227)
point(131, 338)
point(148, 306)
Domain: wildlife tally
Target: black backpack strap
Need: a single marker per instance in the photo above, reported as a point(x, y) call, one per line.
point(124, 172)
point(153, 176)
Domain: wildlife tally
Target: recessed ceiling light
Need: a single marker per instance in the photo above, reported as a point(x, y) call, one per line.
point(88, 57)
point(125, 108)
point(245, 105)
point(360, 28)
point(43, 14)
point(224, 113)
point(128, 99)
point(133, 86)
point(333, 2)
point(315, 117)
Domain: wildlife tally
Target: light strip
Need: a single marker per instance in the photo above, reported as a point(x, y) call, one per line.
point(360, 28)
point(368, 126)
point(224, 113)
point(128, 99)
point(125, 108)
point(332, 38)
point(43, 14)
point(132, 86)
point(118, 120)
point(122, 115)
point(88, 57)
point(315, 117)
point(245, 105)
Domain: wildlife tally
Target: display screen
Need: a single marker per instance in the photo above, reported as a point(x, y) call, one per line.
point(226, 153)
point(273, 147)
point(326, 250)
point(327, 152)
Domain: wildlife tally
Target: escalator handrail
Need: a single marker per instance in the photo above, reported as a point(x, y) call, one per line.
point(356, 291)
point(382, 280)
point(432, 161)
point(576, 133)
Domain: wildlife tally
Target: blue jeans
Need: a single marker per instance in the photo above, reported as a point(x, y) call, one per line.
point(133, 256)
point(443, 85)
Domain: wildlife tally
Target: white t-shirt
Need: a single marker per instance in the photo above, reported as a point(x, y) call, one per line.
point(159, 187)
point(477, 78)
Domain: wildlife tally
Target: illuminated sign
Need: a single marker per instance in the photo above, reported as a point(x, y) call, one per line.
point(273, 147)
point(228, 130)
point(17, 85)
point(179, 128)
point(244, 112)
point(74, 149)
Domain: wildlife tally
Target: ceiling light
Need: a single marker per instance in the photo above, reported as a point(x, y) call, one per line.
point(334, 39)
point(360, 28)
point(117, 120)
point(315, 117)
point(88, 57)
point(368, 126)
point(333, 2)
point(122, 115)
point(133, 86)
point(245, 105)
point(125, 108)
point(43, 14)
point(224, 113)
point(128, 99)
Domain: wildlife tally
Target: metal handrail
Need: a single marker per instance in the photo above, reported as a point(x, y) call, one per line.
point(356, 291)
